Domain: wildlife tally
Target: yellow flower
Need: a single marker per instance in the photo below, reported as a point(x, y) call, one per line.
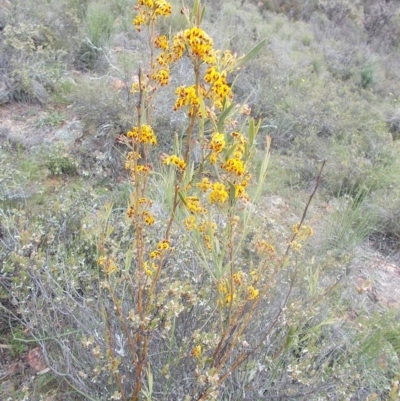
point(186, 96)
point(208, 225)
point(194, 206)
point(237, 154)
point(161, 42)
point(175, 160)
point(201, 45)
point(212, 74)
point(228, 59)
point(163, 245)
point(155, 254)
point(190, 223)
point(164, 59)
point(147, 3)
point(108, 264)
point(229, 298)
point(133, 156)
point(204, 185)
point(163, 8)
point(213, 158)
point(162, 76)
point(196, 351)
point(303, 232)
point(145, 201)
point(135, 87)
point(239, 137)
point(217, 142)
point(263, 247)
point(222, 288)
point(218, 193)
point(238, 278)
point(143, 134)
point(240, 191)
point(252, 293)
point(147, 270)
point(220, 88)
point(295, 246)
point(148, 218)
point(101, 260)
point(207, 242)
point(234, 166)
point(140, 20)
point(141, 169)
point(130, 212)
point(178, 46)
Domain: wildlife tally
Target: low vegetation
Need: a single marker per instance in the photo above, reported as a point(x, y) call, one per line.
point(191, 196)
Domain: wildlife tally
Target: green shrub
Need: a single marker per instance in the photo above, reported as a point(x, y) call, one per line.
point(367, 76)
point(99, 26)
point(30, 62)
point(61, 163)
point(17, 342)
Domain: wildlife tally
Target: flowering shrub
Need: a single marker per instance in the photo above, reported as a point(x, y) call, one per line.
point(210, 201)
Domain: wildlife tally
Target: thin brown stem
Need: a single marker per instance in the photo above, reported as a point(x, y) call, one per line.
point(244, 324)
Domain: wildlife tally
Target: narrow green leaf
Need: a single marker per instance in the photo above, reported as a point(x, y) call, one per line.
point(263, 170)
point(257, 128)
point(251, 54)
point(251, 132)
point(202, 110)
point(290, 338)
point(223, 117)
point(150, 376)
point(202, 13)
point(232, 191)
point(230, 151)
point(181, 197)
point(195, 9)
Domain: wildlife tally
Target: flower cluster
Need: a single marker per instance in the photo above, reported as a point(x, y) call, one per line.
point(143, 134)
point(204, 184)
point(265, 248)
point(229, 289)
point(108, 264)
point(148, 218)
point(252, 293)
point(149, 10)
point(199, 43)
point(135, 87)
point(161, 76)
point(163, 245)
point(226, 59)
point(207, 228)
point(176, 161)
point(219, 193)
point(149, 269)
point(234, 166)
point(219, 86)
point(240, 191)
point(188, 96)
point(302, 232)
point(217, 143)
point(238, 278)
point(161, 42)
point(196, 351)
point(194, 206)
point(190, 223)
point(131, 159)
